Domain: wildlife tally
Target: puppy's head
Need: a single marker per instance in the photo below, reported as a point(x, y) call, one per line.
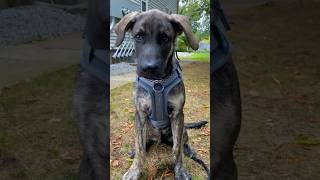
point(154, 35)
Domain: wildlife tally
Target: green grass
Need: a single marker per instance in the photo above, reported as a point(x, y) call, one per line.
point(206, 40)
point(197, 56)
point(306, 141)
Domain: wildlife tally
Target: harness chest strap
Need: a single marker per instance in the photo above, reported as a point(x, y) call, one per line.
point(159, 91)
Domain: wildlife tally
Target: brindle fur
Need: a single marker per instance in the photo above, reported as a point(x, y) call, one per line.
point(90, 106)
point(154, 61)
point(91, 101)
point(226, 114)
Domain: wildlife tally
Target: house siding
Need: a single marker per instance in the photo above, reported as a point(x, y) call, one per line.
point(136, 1)
point(168, 6)
point(117, 5)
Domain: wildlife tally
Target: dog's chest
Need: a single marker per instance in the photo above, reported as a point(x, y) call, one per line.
point(175, 101)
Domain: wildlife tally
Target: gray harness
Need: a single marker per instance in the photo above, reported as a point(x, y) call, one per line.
point(159, 90)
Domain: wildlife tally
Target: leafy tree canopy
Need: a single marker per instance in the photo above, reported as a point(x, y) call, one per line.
point(198, 12)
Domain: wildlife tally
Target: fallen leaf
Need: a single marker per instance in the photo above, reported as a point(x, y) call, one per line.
point(205, 106)
point(68, 157)
point(202, 151)
point(166, 173)
point(116, 147)
point(295, 158)
point(130, 125)
point(205, 133)
point(276, 81)
point(115, 163)
point(152, 172)
point(54, 120)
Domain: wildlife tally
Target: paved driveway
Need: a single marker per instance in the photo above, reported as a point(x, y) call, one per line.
point(25, 61)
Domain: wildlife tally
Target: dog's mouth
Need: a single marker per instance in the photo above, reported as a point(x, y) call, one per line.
point(159, 73)
point(151, 74)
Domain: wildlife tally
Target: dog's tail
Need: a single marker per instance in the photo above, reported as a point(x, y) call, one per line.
point(188, 151)
point(195, 125)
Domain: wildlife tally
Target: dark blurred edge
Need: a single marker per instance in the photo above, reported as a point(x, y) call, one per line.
point(108, 79)
point(211, 99)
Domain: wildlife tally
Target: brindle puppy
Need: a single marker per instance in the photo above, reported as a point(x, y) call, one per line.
point(155, 34)
point(91, 96)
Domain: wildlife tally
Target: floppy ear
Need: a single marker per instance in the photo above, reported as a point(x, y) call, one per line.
point(184, 25)
point(124, 25)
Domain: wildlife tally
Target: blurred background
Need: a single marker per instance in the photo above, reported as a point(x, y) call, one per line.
point(40, 45)
point(276, 52)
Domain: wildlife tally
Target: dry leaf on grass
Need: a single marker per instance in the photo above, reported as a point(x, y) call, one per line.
point(126, 127)
point(68, 157)
point(202, 151)
point(166, 173)
point(205, 133)
point(115, 163)
point(276, 81)
point(205, 106)
point(152, 172)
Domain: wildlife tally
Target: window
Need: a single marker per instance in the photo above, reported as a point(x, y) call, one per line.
point(143, 5)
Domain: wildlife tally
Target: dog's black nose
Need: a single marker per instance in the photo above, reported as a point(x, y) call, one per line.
point(150, 67)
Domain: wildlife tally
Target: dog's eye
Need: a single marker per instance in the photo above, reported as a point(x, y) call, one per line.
point(138, 37)
point(164, 37)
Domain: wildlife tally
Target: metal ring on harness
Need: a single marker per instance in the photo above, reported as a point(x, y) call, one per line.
point(158, 87)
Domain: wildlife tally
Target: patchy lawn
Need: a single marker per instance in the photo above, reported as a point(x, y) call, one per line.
point(38, 137)
point(159, 161)
point(279, 71)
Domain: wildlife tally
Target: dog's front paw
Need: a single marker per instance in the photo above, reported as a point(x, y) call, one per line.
point(180, 173)
point(133, 173)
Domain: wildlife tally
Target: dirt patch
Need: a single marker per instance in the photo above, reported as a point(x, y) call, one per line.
point(277, 56)
point(159, 160)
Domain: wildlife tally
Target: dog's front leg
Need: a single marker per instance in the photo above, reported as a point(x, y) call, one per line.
point(135, 170)
point(177, 125)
